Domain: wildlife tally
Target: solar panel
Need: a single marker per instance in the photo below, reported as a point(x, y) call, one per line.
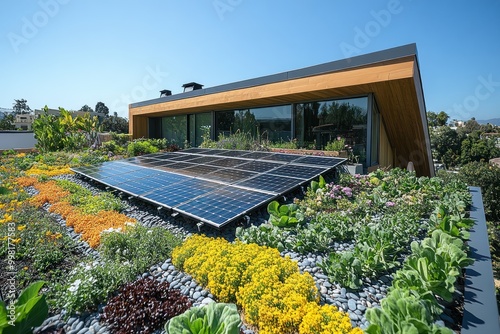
point(227, 162)
point(258, 166)
point(298, 171)
point(229, 175)
point(177, 193)
point(208, 185)
point(205, 159)
point(257, 155)
point(282, 157)
point(270, 183)
point(224, 205)
point(320, 161)
point(230, 153)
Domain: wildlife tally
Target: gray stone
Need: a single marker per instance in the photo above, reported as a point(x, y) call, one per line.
point(207, 300)
point(327, 284)
point(352, 296)
point(164, 266)
point(77, 325)
point(351, 303)
point(196, 295)
point(170, 278)
point(353, 316)
point(323, 290)
point(361, 307)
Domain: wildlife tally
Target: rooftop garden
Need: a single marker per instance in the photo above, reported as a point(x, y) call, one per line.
point(378, 253)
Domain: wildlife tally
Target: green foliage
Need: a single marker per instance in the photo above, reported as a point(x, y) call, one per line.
point(30, 310)
point(292, 144)
point(476, 148)
point(90, 284)
point(446, 145)
point(7, 122)
point(344, 268)
point(437, 119)
point(433, 266)
point(336, 145)
point(138, 245)
point(64, 132)
point(265, 235)
point(140, 147)
point(86, 202)
point(214, 318)
point(285, 215)
point(404, 311)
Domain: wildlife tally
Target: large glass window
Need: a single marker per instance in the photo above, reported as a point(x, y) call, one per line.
point(272, 123)
point(196, 124)
point(317, 123)
point(174, 129)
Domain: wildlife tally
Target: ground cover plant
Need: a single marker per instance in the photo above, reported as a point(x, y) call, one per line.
point(381, 215)
point(272, 293)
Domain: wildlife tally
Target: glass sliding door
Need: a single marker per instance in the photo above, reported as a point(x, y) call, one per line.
point(174, 129)
point(197, 124)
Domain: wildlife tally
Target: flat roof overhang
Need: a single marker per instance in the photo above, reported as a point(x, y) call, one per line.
point(393, 77)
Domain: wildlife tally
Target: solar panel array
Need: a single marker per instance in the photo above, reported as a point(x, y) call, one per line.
point(210, 185)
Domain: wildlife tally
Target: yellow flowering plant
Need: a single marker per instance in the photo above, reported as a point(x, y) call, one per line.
point(270, 289)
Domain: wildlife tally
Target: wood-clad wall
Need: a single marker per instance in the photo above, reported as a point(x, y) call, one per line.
point(386, 151)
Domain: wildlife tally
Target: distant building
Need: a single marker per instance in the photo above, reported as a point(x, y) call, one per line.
point(24, 122)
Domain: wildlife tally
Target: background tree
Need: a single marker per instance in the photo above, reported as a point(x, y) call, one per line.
point(446, 145)
point(86, 108)
point(21, 107)
point(7, 122)
point(434, 119)
point(478, 148)
point(100, 107)
point(470, 126)
point(115, 124)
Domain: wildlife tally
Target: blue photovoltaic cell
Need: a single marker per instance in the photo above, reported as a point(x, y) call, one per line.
point(257, 155)
point(223, 205)
point(258, 166)
point(298, 171)
point(227, 162)
point(230, 153)
point(205, 159)
point(282, 157)
point(229, 175)
point(320, 161)
point(175, 194)
point(199, 170)
point(270, 183)
point(196, 150)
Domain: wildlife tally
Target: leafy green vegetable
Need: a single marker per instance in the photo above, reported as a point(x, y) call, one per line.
point(285, 215)
point(214, 318)
point(403, 311)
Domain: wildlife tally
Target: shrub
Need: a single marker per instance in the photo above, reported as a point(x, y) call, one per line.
point(270, 289)
point(90, 284)
point(138, 245)
point(336, 145)
point(140, 147)
point(143, 306)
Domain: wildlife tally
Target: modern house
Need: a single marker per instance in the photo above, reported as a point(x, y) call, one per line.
point(374, 101)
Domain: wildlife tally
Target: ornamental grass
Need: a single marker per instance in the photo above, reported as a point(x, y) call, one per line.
point(274, 295)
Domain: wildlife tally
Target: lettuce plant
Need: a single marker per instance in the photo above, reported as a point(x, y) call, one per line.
point(403, 311)
point(214, 318)
point(285, 215)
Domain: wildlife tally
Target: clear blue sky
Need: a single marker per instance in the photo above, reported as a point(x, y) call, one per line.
point(68, 53)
